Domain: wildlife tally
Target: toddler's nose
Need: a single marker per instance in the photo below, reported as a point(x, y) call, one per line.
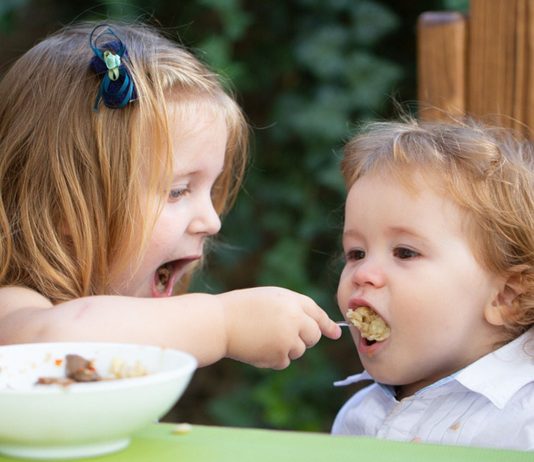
point(369, 272)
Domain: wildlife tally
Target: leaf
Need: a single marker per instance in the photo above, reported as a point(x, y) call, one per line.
point(373, 21)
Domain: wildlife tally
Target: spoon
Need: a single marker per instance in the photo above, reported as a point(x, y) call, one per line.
point(343, 324)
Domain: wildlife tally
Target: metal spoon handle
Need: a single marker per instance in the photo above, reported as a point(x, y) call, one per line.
point(343, 324)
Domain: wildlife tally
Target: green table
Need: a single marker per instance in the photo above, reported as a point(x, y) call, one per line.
point(159, 443)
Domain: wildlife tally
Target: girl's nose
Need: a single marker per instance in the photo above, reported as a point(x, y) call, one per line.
point(206, 220)
point(369, 272)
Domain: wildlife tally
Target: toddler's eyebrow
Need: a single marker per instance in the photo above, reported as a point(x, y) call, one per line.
point(392, 231)
point(406, 231)
point(351, 233)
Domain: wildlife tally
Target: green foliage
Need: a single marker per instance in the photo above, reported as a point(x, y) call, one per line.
point(457, 5)
point(293, 398)
point(7, 10)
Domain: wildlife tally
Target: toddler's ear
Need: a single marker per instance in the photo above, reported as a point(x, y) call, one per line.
point(502, 308)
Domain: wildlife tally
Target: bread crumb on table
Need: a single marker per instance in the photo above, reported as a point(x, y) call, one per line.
point(182, 429)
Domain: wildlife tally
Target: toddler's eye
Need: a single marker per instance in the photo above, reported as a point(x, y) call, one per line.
point(177, 194)
point(403, 253)
point(354, 254)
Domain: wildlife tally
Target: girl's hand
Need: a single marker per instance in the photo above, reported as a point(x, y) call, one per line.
point(270, 326)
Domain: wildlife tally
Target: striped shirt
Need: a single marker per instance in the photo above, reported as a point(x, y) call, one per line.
point(490, 403)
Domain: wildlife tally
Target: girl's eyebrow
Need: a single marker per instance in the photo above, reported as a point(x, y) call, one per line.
point(181, 174)
point(188, 173)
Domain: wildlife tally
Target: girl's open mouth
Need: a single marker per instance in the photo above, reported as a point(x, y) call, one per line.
point(166, 276)
point(162, 286)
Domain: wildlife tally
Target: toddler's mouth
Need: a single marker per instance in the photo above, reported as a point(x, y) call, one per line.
point(372, 326)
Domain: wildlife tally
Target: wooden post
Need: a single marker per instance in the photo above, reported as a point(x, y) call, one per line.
point(500, 56)
point(529, 69)
point(441, 64)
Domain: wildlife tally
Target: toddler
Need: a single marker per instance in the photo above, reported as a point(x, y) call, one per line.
point(119, 152)
point(439, 257)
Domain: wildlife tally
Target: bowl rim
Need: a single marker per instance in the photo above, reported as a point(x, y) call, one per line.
point(186, 369)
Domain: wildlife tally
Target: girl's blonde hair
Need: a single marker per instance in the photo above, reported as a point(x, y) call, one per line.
point(485, 170)
point(73, 181)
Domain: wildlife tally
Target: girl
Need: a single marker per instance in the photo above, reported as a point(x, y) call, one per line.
point(119, 151)
point(439, 246)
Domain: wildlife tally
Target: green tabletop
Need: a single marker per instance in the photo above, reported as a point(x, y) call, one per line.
point(160, 443)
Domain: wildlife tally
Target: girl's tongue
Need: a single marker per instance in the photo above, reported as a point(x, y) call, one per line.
point(163, 282)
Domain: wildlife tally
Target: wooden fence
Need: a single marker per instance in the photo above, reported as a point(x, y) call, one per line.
point(480, 64)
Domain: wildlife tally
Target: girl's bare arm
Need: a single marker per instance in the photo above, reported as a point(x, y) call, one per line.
point(266, 326)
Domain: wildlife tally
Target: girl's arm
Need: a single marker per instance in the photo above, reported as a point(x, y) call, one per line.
point(265, 326)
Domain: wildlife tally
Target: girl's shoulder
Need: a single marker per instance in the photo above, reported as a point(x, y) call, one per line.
point(18, 320)
point(16, 297)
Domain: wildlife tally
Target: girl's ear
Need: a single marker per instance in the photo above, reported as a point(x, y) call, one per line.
point(502, 307)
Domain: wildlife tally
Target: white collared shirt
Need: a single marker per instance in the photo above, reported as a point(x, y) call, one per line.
point(490, 403)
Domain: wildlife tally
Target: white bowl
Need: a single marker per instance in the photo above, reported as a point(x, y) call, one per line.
point(84, 419)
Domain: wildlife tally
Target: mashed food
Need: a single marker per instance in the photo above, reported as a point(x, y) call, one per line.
point(370, 324)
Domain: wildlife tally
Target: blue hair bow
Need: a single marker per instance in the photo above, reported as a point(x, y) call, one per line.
point(117, 88)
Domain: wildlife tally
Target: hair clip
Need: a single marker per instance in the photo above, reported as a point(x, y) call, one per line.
point(117, 88)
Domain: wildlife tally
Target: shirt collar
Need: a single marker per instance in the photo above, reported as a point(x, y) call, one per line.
point(500, 374)
point(497, 375)
point(353, 379)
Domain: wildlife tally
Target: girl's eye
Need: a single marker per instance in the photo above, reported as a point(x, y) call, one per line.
point(404, 254)
point(177, 194)
point(354, 254)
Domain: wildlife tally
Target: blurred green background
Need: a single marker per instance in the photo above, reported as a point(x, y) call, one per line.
point(306, 72)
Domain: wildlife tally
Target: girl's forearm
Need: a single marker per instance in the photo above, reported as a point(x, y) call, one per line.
point(262, 326)
point(194, 323)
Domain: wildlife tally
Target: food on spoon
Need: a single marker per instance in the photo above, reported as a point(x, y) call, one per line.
point(371, 325)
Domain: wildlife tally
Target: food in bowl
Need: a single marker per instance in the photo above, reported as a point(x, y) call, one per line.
point(79, 370)
point(371, 325)
point(85, 419)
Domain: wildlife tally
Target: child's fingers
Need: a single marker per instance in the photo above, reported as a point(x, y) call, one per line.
point(282, 364)
point(310, 333)
point(328, 327)
point(297, 351)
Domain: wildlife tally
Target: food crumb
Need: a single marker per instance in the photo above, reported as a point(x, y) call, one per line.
point(455, 426)
point(120, 370)
point(182, 429)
